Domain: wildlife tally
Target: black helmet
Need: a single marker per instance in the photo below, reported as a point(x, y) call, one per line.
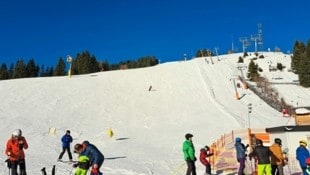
point(207, 148)
point(188, 135)
point(278, 141)
point(259, 142)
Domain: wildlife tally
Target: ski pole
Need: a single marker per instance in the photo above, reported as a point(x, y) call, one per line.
point(53, 169)
point(43, 171)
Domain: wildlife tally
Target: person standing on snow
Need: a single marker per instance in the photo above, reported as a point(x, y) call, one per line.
point(240, 152)
point(15, 150)
point(277, 158)
point(189, 154)
point(66, 140)
point(262, 154)
point(204, 154)
point(302, 153)
point(90, 151)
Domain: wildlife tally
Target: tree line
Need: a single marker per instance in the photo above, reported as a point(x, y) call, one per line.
point(83, 63)
point(300, 63)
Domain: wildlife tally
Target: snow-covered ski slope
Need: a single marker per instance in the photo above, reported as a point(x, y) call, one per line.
point(149, 126)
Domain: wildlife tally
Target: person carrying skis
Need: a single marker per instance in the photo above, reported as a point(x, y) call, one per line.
point(66, 140)
point(240, 152)
point(90, 151)
point(15, 150)
point(277, 159)
point(204, 154)
point(302, 153)
point(189, 154)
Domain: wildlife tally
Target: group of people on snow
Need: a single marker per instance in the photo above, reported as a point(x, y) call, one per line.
point(270, 160)
point(89, 155)
point(190, 158)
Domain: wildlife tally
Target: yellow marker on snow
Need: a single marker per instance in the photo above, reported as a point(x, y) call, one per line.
point(110, 133)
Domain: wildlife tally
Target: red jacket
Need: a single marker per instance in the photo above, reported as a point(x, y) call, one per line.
point(15, 148)
point(204, 154)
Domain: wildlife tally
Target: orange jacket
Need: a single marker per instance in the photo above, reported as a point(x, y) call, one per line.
point(277, 157)
point(15, 148)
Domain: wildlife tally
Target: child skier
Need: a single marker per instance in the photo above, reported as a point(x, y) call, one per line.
point(204, 154)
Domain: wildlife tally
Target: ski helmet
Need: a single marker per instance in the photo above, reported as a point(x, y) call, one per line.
point(207, 148)
point(77, 147)
point(238, 139)
point(188, 135)
point(259, 142)
point(303, 143)
point(17, 133)
point(278, 141)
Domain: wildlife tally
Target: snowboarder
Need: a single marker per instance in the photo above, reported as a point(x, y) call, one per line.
point(66, 140)
point(204, 154)
point(189, 154)
point(302, 153)
point(262, 154)
point(277, 158)
point(15, 150)
point(90, 151)
point(240, 152)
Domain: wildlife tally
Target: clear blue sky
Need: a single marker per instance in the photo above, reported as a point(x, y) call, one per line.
point(116, 30)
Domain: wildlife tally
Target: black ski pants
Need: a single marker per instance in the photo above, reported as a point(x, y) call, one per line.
point(191, 168)
point(64, 149)
point(22, 167)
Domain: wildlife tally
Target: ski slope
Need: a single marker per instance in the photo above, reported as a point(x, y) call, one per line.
point(193, 96)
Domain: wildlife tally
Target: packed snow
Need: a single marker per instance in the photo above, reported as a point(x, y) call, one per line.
point(149, 123)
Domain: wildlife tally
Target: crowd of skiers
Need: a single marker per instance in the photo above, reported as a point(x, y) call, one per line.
point(89, 155)
point(270, 160)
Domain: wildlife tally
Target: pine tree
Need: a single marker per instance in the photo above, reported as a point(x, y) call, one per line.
point(20, 69)
point(32, 69)
point(60, 69)
point(4, 73)
point(253, 71)
point(304, 71)
point(298, 51)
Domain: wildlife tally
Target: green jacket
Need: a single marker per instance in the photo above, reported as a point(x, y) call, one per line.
point(188, 150)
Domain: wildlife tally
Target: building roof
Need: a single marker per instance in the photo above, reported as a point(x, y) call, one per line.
point(292, 128)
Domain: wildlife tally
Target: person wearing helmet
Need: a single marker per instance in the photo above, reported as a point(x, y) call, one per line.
point(66, 140)
point(302, 153)
point(15, 150)
point(262, 154)
point(204, 155)
point(189, 154)
point(241, 154)
point(90, 151)
point(277, 158)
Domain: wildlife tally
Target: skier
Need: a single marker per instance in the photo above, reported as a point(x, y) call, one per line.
point(15, 150)
point(262, 154)
point(240, 152)
point(302, 153)
point(189, 154)
point(90, 151)
point(66, 140)
point(204, 154)
point(277, 158)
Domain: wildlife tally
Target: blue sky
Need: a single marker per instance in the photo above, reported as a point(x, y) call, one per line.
point(116, 30)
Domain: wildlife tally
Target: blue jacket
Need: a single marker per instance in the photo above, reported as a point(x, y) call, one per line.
point(91, 151)
point(302, 153)
point(66, 140)
point(240, 150)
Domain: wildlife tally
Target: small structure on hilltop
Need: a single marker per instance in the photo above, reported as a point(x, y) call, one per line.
point(302, 116)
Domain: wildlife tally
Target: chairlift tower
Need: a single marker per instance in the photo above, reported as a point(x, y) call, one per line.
point(260, 36)
point(245, 43)
point(255, 38)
